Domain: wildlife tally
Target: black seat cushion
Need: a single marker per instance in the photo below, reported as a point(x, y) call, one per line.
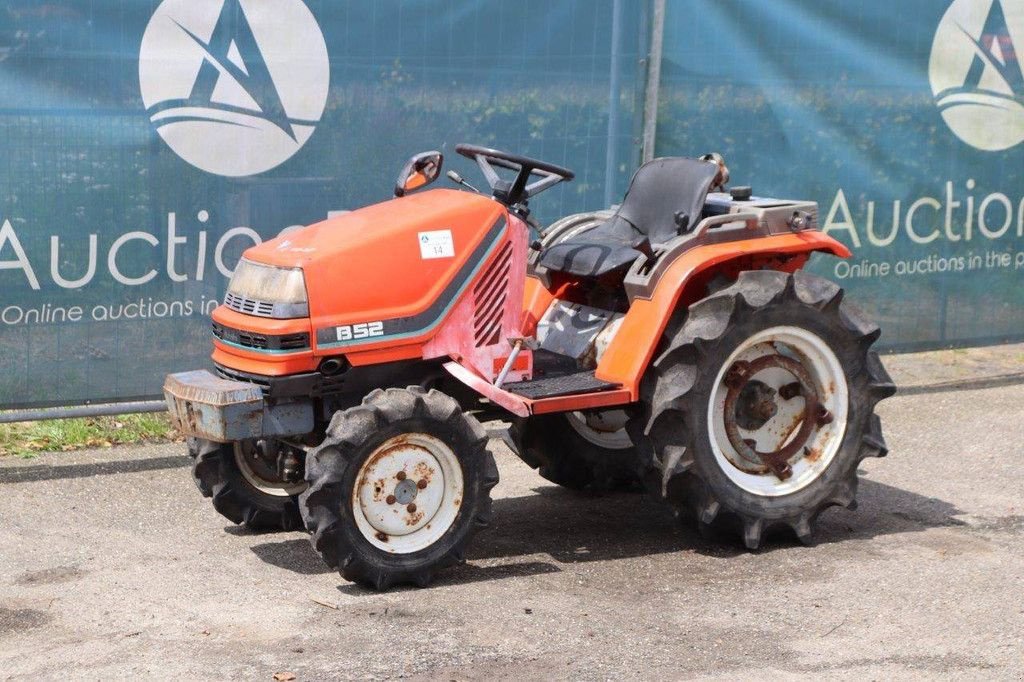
point(658, 191)
point(598, 251)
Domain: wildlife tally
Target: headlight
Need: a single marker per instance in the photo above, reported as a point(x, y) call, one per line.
point(267, 291)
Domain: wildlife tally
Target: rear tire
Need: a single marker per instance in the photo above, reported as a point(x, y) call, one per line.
point(574, 451)
point(768, 327)
point(398, 488)
point(241, 494)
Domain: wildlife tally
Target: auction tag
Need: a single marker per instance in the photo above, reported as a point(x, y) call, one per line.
point(436, 244)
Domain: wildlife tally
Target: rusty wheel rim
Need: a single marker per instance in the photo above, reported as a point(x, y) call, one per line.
point(407, 493)
point(261, 474)
point(777, 414)
point(605, 429)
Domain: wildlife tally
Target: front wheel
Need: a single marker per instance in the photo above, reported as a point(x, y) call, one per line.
point(244, 482)
point(398, 487)
point(588, 451)
point(760, 406)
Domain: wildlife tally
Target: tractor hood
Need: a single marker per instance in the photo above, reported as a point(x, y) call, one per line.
point(396, 259)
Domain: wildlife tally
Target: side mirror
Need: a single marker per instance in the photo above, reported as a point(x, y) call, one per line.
point(419, 171)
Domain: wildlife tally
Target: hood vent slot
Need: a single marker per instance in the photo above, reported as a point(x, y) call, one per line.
point(489, 297)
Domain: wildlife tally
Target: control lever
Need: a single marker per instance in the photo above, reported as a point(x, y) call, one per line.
point(643, 245)
point(459, 180)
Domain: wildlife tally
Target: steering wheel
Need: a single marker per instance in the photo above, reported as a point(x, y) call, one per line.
point(519, 190)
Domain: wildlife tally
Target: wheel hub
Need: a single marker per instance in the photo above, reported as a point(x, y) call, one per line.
point(407, 493)
point(750, 404)
point(270, 466)
point(778, 412)
point(755, 405)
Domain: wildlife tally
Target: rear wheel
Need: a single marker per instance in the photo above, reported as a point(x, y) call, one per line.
point(760, 406)
point(579, 450)
point(398, 487)
point(244, 483)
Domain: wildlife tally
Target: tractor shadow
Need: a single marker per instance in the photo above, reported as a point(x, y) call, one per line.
point(555, 526)
point(48, 472)
point(572, 528)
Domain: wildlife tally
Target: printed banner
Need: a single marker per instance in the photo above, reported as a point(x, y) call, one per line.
point(905, 121)
point(145, 145)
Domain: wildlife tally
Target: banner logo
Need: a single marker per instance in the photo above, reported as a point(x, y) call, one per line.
point(976, 74)
point(234, 87)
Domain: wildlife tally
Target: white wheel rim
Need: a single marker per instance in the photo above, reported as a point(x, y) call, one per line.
point(408, 493)
point(826, 372)
point(266, 486)
point(605, 429)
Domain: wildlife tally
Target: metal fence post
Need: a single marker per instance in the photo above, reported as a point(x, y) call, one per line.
point(653, 80)
point(614, 86)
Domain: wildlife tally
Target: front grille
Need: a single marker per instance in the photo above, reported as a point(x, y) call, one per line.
point(248, 306)
point(225, 373)
point(289, 342)
point(294, 341)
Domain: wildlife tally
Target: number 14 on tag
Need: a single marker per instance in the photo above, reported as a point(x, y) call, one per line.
point(436, 244)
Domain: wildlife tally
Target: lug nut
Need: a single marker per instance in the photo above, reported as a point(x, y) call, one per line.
point(421, 484)
point(824, 416)
point(391, 499)
point(737, 375)
point(411, 508)
point(400, 475)
point(790, 391)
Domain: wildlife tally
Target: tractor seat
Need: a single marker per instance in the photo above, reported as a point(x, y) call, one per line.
point(665, 199)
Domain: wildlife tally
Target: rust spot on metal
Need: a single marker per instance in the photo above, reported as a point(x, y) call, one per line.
point(777, 461)
point(413, 519)
point(457, 502)
point(812, 454)
point(738, 375)
point(397, 443)
point(791, 427)
point(790, 391)
point(424, 473)
point(382, 536)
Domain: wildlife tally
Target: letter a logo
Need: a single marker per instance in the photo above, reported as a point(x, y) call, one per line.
point(976, 72)
point(234, 87)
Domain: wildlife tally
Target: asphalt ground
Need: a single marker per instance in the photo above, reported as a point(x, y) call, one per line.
point(113, 566)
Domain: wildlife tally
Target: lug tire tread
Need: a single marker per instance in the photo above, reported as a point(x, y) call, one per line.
point(327, 464)
point(217, 476)
point(549, 444)
point(672, 404)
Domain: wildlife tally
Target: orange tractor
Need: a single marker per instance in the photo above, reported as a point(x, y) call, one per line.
point(673, 342)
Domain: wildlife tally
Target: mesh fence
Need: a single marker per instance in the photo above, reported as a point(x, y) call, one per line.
point(119, 224)
point(83, 166)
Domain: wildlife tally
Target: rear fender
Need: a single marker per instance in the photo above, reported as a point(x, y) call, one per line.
point(685, 281)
